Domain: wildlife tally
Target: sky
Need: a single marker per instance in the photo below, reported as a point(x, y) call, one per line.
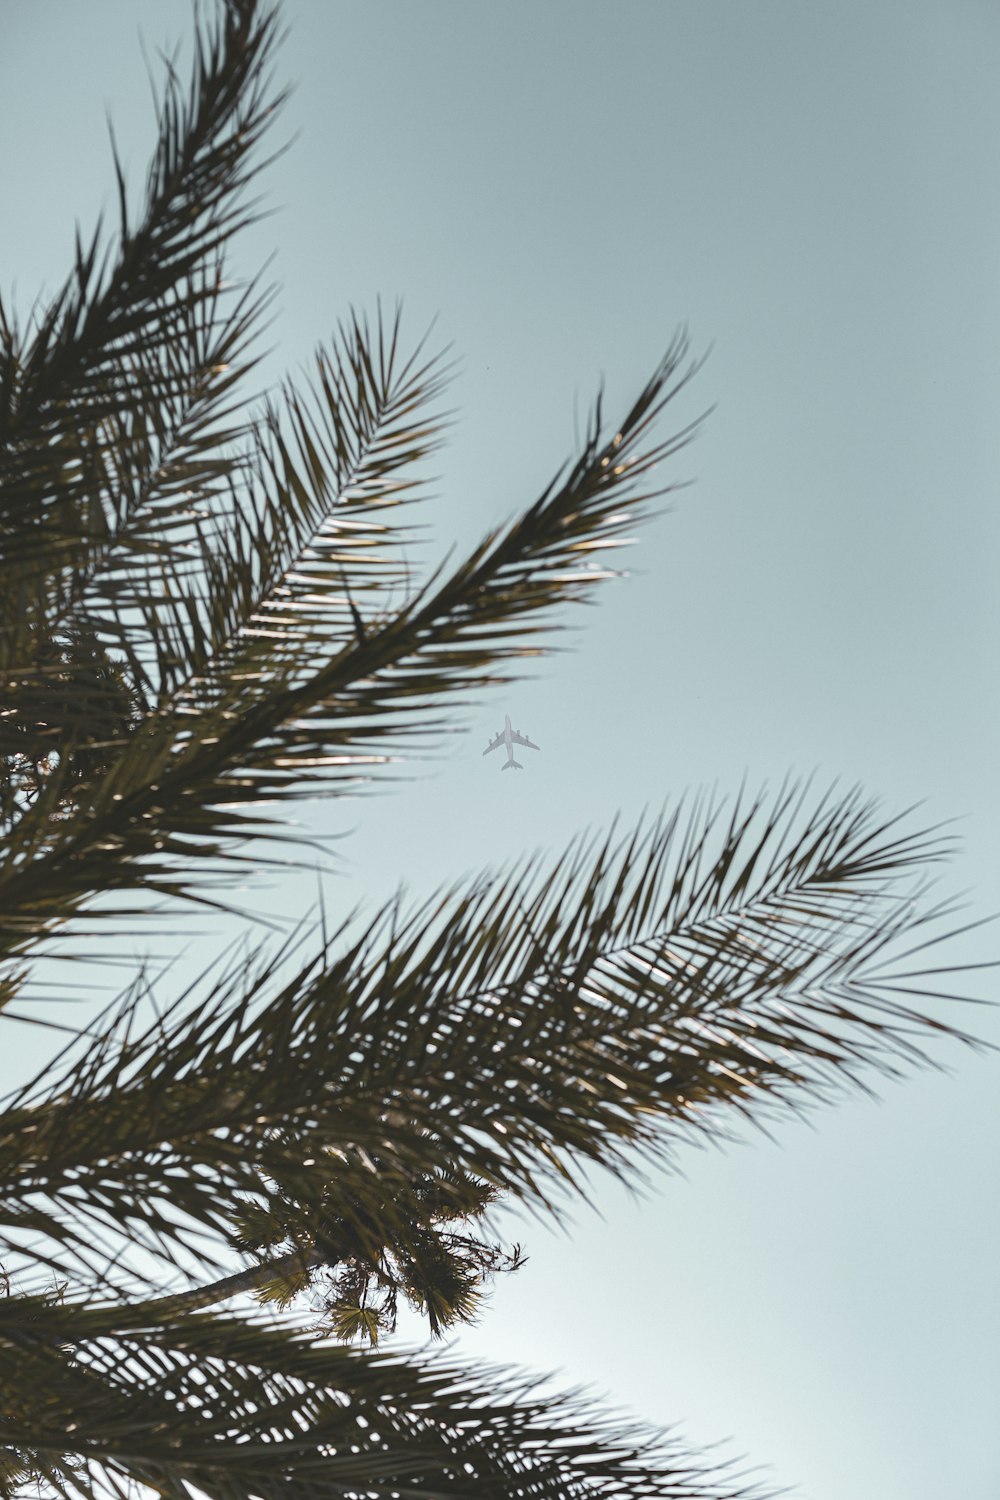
point(811, 191)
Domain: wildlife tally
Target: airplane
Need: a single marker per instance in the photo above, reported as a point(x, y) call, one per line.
point(510, 738)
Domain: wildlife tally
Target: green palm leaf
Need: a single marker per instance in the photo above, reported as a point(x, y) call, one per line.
point(631, 1002)
point(244, 1409)
point(115, 413)
point(99, 350)
point(305, 512)
point(197, 773)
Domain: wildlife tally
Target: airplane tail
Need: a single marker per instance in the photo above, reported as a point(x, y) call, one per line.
point(509, 763)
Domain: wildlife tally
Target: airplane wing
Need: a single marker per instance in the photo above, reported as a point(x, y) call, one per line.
point(494, 744)
point(519, 739)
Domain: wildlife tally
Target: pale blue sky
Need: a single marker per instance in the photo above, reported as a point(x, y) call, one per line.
point(813, 190)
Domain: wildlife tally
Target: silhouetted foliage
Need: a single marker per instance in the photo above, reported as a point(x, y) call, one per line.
point(204, 614)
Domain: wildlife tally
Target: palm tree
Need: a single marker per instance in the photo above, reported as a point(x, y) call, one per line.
point(197, 626)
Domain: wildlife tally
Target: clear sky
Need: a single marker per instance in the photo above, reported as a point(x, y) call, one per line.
point(812, 189)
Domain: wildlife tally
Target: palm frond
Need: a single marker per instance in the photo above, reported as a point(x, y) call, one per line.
point(153, 471)
point(640, 997)
point(213, 574)
point(163, 469)
point(245, 1409)
point(98, 349)
point(190, 781)
point(308, 509)
point(116, 411)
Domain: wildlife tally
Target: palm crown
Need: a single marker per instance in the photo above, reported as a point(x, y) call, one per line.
point(196, 626)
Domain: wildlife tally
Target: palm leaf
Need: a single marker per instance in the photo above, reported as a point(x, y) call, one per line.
point(636, 1000)
point(197, 775)
point(152, 471)
point(115, 413)
point(98, 350)
point(306, 511)
point(165, 468)
point(245, 1409)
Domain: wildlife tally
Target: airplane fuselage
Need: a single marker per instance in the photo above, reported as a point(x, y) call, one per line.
point(509, 737)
